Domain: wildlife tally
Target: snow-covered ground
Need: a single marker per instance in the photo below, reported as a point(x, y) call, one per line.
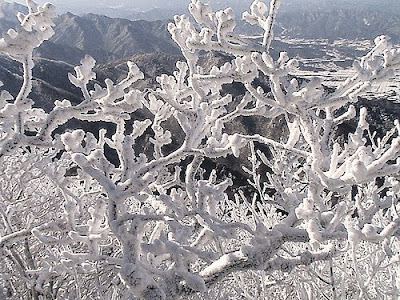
point(334, 64)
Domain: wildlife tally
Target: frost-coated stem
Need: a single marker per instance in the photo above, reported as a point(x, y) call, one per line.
point(267, 141)
point(268, 35)
point(190, 178)
point(25, 90)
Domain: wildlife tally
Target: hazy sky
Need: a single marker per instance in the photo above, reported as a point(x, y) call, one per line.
point(129, 4)
point(121, 7)
point(86, 6)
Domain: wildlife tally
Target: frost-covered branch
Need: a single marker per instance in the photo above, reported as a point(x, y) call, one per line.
point(133, 211)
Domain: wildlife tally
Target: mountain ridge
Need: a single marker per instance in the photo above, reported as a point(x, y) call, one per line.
point(107, 38)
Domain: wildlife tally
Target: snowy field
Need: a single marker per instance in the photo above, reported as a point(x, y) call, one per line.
point(335, 58)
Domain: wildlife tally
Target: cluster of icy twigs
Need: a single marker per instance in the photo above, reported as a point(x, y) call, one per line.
point(323, 221)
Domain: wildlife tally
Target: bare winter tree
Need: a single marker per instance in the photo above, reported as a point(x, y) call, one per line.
point(322, 223)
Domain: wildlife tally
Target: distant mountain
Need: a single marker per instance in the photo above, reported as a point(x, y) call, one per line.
point(311, 5)
point(58, 52)
point(151, 64)
point(154, 14)
point(8, 13)
point(339, 23)
point(108, 39)
point(102, 37)
point(123, 8)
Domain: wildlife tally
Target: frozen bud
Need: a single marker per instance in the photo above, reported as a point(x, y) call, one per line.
point(327, 216)
point(236, 142)
point(354, 235)
point(258, 8)
point(12, 33)
point(83, 72)
point(283, 58)
point(62, 104)
point(314, 232)
point(304, 210)
point(362, 123)
point(293, 64)
point(269, 62)
point(194, 282)
point(359, 171)
point(381, 39)
point(369, 231)
point(80, 159)
point(294, 83)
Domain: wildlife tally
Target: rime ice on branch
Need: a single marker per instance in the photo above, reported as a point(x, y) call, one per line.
point(154, 224)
